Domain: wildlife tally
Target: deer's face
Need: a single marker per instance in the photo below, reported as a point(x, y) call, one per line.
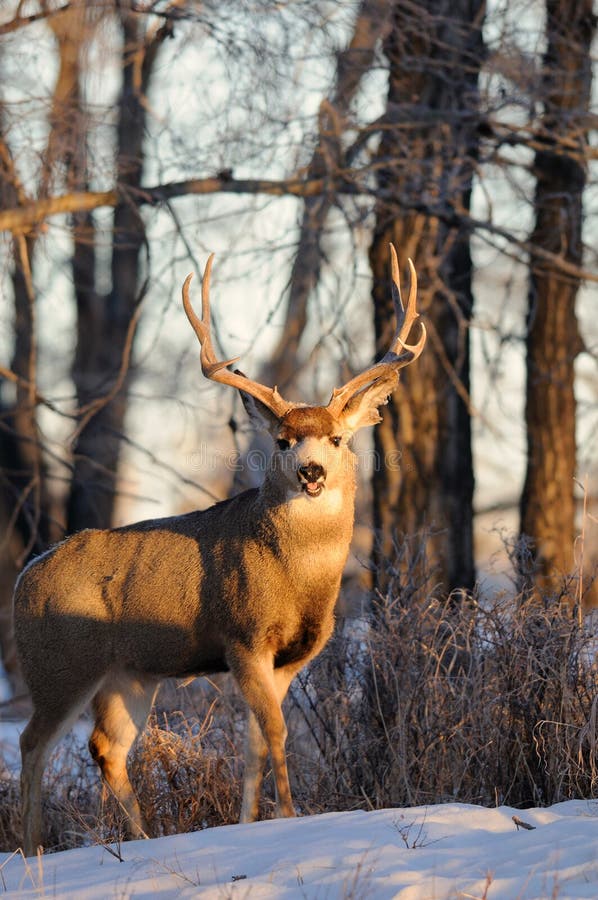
point(311, 455)
point(312, 458)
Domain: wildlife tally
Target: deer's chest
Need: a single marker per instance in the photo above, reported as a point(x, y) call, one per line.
point(302, 643)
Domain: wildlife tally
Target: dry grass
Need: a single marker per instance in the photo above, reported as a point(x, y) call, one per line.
point(187, 774)
point(429, 702)
point(422, 702)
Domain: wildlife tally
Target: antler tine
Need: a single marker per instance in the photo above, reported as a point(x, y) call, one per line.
point(406, 316)
point(400, 353)
point(211, 366)
point(396, 285)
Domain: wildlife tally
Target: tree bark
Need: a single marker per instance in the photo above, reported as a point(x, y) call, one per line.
point(424, 474)
point(103, 322)
point(26, 505)
point(547, 502)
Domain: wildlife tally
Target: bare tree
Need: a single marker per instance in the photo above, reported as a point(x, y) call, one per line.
point(553, 340)
point(103, 322)
point(425, 164)
point(404, 176)
point(25, 501)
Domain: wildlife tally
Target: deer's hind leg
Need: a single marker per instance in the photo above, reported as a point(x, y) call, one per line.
point(50, 721)
point(121, 708)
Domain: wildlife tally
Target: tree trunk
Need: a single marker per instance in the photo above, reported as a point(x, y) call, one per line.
point(547, 502)
point(26, 513)
point(424, 476)
point(103, 322)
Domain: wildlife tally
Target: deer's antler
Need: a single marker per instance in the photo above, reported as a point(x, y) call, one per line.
point(217, 370)
point(400, 353)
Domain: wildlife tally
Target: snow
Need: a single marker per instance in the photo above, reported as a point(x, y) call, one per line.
point(426, 853)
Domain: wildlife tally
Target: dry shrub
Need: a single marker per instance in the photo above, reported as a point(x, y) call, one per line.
point(10, 814)
point(187, 774)
point(426, 701)
point(70, 802)
point(186, 771)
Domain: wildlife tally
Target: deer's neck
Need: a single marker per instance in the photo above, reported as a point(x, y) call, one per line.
point(321, 526)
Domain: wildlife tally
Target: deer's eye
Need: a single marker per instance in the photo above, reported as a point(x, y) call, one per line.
point(283, 444)
point(336, 440)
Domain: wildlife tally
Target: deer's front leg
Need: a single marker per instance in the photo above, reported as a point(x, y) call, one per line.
point(256, 751)
point(261, 690)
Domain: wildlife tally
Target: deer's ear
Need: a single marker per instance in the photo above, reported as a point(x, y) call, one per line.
point(262, 417)
point(362, 408)
point(260, 414)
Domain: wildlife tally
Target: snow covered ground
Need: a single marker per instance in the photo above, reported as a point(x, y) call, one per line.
point(432, 853)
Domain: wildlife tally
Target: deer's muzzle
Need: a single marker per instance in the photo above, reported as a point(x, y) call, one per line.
point(312, 478)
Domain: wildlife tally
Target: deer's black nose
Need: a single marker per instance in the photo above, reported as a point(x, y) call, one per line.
point(312, 473)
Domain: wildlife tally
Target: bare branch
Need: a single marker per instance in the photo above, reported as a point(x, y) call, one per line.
point(23, 218)
point(21, 21)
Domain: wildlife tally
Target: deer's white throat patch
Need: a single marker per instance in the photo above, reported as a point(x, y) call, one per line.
point(326, 502)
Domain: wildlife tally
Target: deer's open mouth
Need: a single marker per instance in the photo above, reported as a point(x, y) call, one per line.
point(312, 488)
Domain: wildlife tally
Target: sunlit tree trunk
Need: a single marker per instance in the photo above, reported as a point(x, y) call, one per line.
point(26, 506)
point(27, 514)
point(424, 477)
point(547, 503)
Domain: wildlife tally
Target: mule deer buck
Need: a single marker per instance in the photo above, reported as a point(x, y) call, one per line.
point(248, 586)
